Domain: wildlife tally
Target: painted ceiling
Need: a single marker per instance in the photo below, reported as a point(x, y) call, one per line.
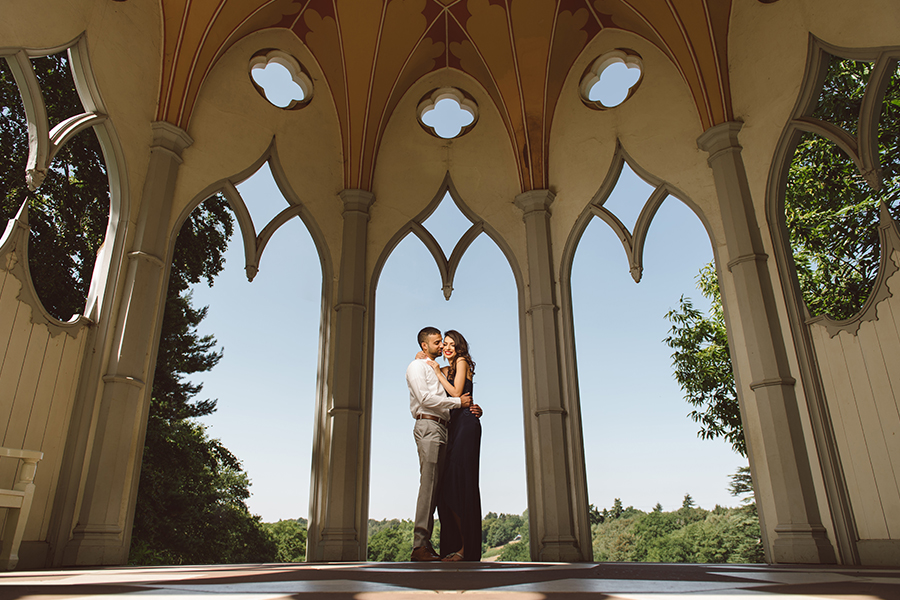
point(372, 51)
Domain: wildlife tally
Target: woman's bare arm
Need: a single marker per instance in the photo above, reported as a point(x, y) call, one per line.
point(462, 367)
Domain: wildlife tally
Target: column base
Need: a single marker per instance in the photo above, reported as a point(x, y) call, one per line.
point(561, 549)
point(96, 546)
point(340, 545)
point(802, 544)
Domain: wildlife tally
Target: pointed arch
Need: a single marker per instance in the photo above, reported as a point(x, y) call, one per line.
point(446, 266)
point(254, 242)
point(632, 241)
point(479, 226)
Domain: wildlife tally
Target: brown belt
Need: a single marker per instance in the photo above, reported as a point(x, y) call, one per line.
point(433, 418)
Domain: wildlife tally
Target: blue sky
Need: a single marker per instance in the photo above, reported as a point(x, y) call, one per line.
point(640, 445)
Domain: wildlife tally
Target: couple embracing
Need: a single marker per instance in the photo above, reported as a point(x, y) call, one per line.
point(448, 438)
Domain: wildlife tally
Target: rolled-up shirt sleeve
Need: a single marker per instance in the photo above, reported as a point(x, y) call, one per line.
point(421, 395)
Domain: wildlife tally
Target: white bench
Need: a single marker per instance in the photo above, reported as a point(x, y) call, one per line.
point(18, 501)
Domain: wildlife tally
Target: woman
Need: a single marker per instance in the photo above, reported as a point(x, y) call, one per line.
point(459, 499)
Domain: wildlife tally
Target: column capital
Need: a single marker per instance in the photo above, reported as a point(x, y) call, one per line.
point(535, 200)
point(171, 138)
point(357, 200)
point(723, 136)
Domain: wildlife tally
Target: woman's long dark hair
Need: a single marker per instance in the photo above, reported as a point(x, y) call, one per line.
point(462, 351)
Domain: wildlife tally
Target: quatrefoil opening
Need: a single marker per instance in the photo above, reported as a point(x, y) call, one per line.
point(612, 79)
point(280, 79)
point(447, 113)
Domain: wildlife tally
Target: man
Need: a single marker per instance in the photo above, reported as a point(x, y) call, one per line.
point(430, 407)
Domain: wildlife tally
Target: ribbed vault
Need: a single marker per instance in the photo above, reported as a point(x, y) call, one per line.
point(372, 51)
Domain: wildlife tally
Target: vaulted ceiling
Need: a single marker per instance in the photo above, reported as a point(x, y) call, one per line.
point(372, 51)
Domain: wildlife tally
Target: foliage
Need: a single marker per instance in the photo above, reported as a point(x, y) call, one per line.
point(69, 212)
point(687, 535)
point(703, 364)
point(289, 536)
point(742, 484)
point(519, 551)
point(613, 540)
point(831, 211)
point(502, 529)
point(391, 540)
point(192, 508)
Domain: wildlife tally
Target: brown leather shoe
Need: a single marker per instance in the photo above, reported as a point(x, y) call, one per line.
point(424, 554)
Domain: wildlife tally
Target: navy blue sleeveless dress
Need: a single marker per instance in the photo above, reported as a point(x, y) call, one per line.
point(459, 493)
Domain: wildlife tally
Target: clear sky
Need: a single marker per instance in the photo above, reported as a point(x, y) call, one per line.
point(640, 445)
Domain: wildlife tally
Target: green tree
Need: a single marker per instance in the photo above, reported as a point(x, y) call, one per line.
point(519, 551)
point(289, 536)
point(687, 535)
point(503, 529)
point(614, 540)
point(742, 484)
point(648, 530)
point(390, 541)
point(688, 502)
point(702, 364)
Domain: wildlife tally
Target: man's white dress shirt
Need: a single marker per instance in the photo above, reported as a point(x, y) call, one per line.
point(426, 394)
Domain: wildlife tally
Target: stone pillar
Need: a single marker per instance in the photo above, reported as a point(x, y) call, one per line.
point(340, 533)
point(102, 534)
point(557, 484)
point(782, 469)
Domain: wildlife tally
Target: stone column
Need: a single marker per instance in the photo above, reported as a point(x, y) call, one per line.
point(782, 469)
point(340, 533)
point(557, 484)
point(102, 534)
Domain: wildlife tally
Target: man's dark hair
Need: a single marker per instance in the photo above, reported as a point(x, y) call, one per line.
point(426, 333)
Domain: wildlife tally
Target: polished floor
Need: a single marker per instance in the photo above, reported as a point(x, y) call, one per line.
point(496, 581)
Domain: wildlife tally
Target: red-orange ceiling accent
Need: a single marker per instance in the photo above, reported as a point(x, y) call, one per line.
point(372, 51)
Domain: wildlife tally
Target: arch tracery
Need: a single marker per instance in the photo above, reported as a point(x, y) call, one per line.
point(254, 242)
point(632, 241)
point(446, 266)
point(45, 143)
point(860, 144)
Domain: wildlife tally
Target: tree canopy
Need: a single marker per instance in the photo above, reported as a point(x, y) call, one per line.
point(687, 535)
point(831, 209)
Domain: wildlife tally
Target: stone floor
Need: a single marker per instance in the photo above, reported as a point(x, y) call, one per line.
point(496, 581)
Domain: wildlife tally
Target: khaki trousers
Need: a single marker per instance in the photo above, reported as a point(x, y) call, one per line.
point(431, 442)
